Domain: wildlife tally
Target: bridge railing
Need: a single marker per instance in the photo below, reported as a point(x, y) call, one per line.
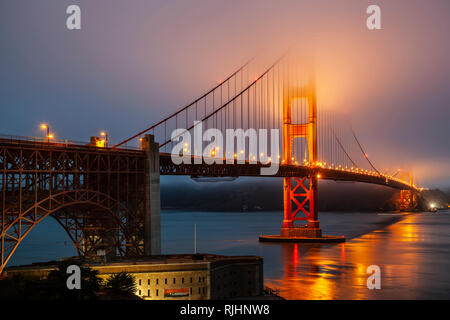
point(65, 143)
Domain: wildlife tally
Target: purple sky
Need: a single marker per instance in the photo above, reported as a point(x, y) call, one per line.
point(135, 62)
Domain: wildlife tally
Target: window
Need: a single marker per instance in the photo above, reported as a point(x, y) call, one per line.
point(203, 279)
point(148, 293)
point(148, 281)
point(199, 290)
point(165, 280)
point(139, 292)
point(199, 279)
point(139, 281)
point(182, 280)
point(157, 281)
point(174, 280)
point(191, 279)
point(157, 292)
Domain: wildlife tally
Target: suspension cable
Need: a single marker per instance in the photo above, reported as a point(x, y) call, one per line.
point(362, 150)
point(343, 149)
point(186, 107)
point(231, 100)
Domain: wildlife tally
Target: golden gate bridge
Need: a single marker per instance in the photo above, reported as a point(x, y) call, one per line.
point(108, 198)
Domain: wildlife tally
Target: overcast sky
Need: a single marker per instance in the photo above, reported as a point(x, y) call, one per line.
point(136, 61)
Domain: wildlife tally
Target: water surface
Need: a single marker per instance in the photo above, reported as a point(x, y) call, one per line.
point(412, 250)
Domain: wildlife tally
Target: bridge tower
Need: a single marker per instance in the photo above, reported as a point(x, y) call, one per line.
point(303, 193)
point(408, 197)
point(300, 194)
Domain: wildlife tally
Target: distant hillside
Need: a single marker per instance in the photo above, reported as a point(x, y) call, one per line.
point(266, 194)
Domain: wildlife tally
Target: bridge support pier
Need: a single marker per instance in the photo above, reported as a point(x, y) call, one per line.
point(152, 220)
point(408, 200)
point(306, 200)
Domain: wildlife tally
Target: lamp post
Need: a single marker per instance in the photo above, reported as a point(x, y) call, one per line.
point(104, 134)
point(48, 135)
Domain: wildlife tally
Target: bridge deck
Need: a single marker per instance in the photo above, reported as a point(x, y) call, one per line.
point(167, 167)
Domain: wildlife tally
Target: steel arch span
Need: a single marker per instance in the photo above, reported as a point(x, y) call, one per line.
point(92, 219)
point(99, 196)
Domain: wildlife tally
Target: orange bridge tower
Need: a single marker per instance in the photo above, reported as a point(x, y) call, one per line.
point(300, 194)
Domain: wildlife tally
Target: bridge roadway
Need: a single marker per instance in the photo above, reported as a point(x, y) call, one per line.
point(167, 167)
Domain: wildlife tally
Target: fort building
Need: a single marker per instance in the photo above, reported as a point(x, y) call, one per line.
point(176, 277)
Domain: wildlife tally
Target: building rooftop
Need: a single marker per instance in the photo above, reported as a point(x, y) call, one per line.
point(146, 260)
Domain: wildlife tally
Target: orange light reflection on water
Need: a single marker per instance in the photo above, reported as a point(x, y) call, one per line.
point(340, 271)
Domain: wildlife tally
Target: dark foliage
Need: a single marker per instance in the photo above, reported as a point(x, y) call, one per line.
point(53, 287)
point(121, 284)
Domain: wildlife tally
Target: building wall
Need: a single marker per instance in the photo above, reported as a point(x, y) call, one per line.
point(158, 285)
point(239, 279)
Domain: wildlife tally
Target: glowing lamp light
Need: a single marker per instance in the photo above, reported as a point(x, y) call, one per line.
point(318, 176)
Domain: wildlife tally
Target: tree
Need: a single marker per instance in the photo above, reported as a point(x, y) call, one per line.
point(54, 287)
point(121, 284)
point(56, 283)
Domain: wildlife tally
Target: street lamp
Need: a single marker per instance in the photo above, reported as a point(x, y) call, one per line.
point(104, 134)
point(46, 127)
